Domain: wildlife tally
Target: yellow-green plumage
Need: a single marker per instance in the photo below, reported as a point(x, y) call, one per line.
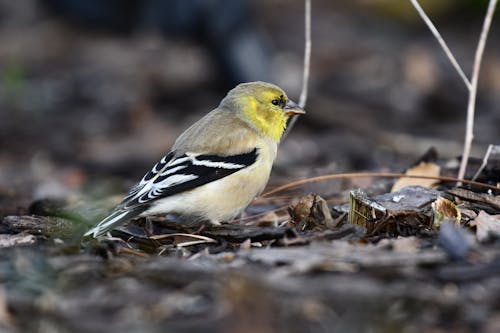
point(252, 102)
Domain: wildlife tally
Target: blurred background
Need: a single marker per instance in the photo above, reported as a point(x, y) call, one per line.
point(92, 92)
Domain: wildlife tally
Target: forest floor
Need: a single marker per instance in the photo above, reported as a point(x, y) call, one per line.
point(86, 114)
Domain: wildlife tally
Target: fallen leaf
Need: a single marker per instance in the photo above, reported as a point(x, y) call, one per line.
point(486, 226)
point(427, 169)
point(445, 210)
point(311, 213)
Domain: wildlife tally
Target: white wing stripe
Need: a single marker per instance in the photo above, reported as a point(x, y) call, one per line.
point(174, 180)
point(110, 222)
point(154, 168)
point(178, 161)
point(220, 165)
point(156, 189)
point(173, 170)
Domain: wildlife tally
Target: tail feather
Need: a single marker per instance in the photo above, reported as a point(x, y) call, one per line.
point(116, 218)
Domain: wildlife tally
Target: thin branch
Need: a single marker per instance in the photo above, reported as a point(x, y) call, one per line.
point(441, 41)
point(307, 61)
point(307, 55)
point(485, 160)
point(469, 135)
point(366, 175)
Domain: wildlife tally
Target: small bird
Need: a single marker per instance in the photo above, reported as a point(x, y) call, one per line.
point(218, 165)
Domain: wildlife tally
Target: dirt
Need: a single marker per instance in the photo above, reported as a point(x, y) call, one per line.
point(84, 113)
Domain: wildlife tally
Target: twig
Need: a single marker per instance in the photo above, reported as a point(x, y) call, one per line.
point(491, 148)
point(197, 237)
point(470, 84)
point(307, 61)
point(307, 55)
point(366, 175)
point(441, 41)
point(469, 134)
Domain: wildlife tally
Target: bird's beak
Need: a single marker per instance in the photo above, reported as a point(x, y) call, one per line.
point(292, 108)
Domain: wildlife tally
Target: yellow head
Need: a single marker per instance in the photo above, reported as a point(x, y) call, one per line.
point(263, 106)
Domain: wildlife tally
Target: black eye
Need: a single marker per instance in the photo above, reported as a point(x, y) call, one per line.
point(275, 102)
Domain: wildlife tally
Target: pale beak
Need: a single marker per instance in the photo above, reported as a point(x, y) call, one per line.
point(292, 108)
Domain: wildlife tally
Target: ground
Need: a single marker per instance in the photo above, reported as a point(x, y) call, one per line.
point(85, 113)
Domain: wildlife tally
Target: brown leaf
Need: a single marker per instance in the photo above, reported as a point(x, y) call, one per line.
point(486, 226)
point(445, 210)
point(311, 213)
point(427, 169)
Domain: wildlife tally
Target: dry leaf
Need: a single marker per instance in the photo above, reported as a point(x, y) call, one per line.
point(445, 210)
point(311, 213)
point(427, 169)
point(486, 226)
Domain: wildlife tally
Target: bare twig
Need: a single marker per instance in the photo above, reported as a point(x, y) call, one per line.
point(469, 134)
point(178, 234)
point(366, 175)
point(307, 61)
point(491, 149)
point(307, 54)
point(441, 41)
point(470, 84)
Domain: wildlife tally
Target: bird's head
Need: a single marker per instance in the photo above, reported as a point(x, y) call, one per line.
point(264, 106)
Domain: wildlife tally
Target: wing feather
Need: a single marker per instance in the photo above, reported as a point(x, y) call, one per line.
point(185, 173)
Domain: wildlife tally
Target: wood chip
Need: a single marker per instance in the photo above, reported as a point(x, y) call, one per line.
point(488, 199)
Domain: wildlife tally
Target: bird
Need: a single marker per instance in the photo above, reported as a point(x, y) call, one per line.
point(218, 165)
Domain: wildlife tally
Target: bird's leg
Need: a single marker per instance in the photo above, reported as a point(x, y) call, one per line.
point(148, 226)
point(148, 230)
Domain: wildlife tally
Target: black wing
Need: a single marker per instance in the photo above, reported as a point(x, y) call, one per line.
point(158, 168)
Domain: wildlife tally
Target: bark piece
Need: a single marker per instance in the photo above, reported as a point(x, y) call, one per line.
point(404, 213)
